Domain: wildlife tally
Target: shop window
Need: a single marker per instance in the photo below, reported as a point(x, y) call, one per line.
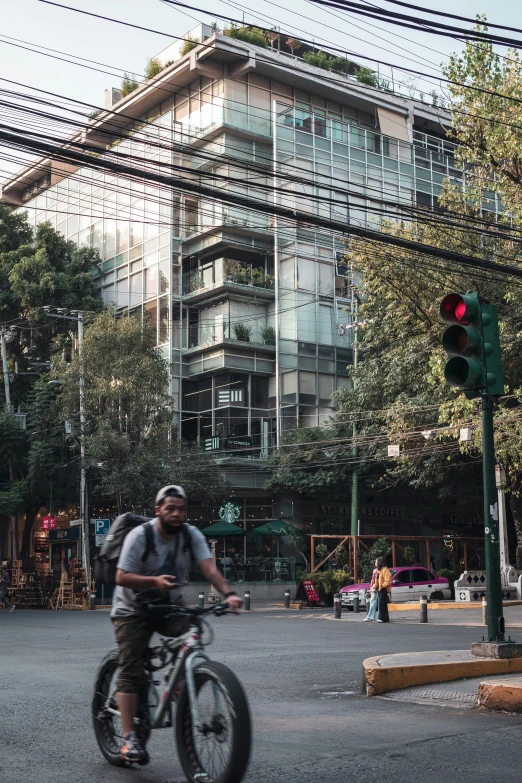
point(326, 388)
point(151, 282)
point(289, 387)
point(307, 388)
point(259, 387)
point(163, 320)
point(306, 274)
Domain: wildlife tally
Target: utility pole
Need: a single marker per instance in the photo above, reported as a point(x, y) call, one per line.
point(84, 502)
point(354, 518)
point(78, 316)
point(13, 520)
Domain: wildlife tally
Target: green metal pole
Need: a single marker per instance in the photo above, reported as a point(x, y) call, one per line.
point(354, 523)
point(495, 617)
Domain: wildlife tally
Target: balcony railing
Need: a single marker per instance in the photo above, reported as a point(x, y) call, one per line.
point(225, 113)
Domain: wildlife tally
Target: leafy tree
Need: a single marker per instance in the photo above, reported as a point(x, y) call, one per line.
point(154, 67)
point(128, 85)
point(487, 120)
point(188, 44)
point(131, 444)
point(37, 267)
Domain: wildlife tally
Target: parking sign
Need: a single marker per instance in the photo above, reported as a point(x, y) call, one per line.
point(101, 528)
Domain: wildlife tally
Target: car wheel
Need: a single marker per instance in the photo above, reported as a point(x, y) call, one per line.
point(437, 596)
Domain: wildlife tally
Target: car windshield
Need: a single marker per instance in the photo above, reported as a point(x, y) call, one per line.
point(393, 570)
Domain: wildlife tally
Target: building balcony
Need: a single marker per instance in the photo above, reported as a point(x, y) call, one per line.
point(196, 290)
point(226, 114)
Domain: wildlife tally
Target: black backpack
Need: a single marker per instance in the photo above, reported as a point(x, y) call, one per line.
point(106, 563)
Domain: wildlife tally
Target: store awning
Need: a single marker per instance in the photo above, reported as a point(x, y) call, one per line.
point(276, 527)
point(223, 529)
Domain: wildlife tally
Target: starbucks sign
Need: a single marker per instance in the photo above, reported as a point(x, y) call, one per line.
point(229, 512)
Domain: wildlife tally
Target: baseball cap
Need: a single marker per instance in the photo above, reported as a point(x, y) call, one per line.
point(173, 491)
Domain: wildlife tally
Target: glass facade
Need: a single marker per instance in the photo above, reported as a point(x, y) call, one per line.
point(236, 297)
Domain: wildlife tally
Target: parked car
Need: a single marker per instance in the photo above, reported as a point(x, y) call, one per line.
point(408, 584)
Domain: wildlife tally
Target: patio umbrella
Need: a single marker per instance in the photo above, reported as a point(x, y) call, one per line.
point(223, 529)
point(277, 528)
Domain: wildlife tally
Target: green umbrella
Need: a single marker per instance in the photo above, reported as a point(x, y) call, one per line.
point(276, 527)
point(223, 529)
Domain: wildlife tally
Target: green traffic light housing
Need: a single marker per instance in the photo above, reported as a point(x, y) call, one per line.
point(472, 342)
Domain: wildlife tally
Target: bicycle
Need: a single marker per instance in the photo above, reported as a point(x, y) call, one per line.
point(212, 723)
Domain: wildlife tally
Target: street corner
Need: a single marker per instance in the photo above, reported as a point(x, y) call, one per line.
point(382, 674)
point(501, 695)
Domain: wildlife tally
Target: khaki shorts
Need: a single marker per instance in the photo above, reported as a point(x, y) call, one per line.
point(133, 633)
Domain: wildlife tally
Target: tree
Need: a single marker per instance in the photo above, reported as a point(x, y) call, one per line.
point(293, 44)
point(188, 44)
point(367, 76)
point(154, 67)
point(37, 268)
point(487, 118)
point(131, 444)
point(128, 85)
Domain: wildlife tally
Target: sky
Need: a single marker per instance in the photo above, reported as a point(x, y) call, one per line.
point(32, 23)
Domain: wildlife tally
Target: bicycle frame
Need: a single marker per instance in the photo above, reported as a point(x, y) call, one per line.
point(191, 649)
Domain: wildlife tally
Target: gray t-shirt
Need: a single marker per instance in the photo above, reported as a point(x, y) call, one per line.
point(123, 602)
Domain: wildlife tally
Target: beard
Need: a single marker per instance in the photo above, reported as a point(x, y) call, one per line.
point(170, 527)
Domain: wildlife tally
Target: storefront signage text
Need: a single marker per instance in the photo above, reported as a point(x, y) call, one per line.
point(366, 511)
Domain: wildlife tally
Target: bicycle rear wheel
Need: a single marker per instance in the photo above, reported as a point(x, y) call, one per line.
point(107, 725)
point(217, 752)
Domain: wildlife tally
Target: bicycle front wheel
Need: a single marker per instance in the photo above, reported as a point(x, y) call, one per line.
point(218, 751)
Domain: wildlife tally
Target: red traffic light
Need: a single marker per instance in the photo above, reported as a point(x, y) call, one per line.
point(459, 309)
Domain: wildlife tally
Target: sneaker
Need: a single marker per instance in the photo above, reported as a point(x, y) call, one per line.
point(12, 609)
point(380, 621)
point(366, 620)
point(133, 751)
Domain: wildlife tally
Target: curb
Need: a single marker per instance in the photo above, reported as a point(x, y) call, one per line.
point(435, 605)
point(383, 674)
point(501, 696)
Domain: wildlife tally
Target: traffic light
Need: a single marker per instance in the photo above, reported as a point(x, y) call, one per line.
point(472, 342)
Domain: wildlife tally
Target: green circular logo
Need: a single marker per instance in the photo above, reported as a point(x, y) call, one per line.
point(229, 512)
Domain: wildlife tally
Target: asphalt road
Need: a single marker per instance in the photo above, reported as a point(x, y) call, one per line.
point(302, 673)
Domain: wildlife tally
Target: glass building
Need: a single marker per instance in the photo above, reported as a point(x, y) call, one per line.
point(246, 307)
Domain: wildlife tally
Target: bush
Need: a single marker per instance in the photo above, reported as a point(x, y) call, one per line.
point(268, 334)
point(153, 68)
point(367, 76)
point(341, 64)
point(242, 332)
point(319, 60)
point(366, 560)
point(251, 35)
point(189, 43)
point(128, 85)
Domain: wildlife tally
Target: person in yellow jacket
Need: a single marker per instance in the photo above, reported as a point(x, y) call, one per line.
point(384, 590)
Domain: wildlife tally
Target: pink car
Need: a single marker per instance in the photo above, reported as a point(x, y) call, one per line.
point(408, 584)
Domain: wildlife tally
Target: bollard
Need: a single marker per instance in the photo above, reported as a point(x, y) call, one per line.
point(484, 610)
point(287, 599)
point(93, 601)
point(423, 609)
point(337, 606)
point(202, 599)
point(247, 599)
point(356, 604)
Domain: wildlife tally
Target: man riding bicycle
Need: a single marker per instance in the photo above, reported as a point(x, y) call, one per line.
point(163, 569)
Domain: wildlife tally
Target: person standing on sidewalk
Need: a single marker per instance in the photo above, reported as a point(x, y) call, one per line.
point(5, 581)
point(384, 590)
point(374, 596)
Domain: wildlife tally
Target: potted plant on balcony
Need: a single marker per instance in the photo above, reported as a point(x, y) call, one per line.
point(258, 276)
point(268, 334)
point(242, 332)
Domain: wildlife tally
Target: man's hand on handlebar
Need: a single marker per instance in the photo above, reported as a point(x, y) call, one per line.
point(234, 603)
point(166, 582)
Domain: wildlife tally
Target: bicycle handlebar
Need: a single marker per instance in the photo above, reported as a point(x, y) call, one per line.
point(186, 611)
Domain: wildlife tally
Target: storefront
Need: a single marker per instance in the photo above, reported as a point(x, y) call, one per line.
point(64, 549)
